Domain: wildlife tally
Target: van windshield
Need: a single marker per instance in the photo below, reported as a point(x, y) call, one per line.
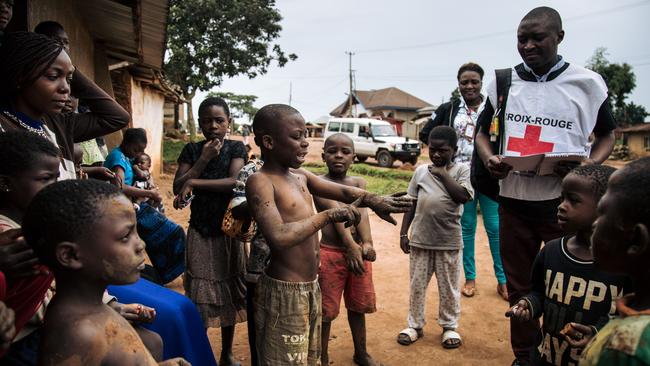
point(383, 131)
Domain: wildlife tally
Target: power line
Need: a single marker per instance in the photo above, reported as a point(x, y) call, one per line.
point(500, 33)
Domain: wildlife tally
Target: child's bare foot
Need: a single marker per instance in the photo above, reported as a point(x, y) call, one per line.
point(469, 289)
point(365, 360)
point(228, 360)
point(502, 290)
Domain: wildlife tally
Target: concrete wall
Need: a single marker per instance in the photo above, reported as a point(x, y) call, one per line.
point(89, 57)
point(147, 108)
point(66, 12)
point(636, 143)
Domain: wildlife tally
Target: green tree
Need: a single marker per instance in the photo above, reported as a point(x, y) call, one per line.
point(241, 104)
point(620, 81)
point(208, 40)
point(455, 95)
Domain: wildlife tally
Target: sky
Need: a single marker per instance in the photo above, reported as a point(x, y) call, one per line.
point(418, 46)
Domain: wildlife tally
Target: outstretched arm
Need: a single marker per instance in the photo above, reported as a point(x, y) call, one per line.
point(260, 196)
point(382, 205)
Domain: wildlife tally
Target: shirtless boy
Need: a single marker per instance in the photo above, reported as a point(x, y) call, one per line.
point(288, 300)
point(343, 250)
point(85, 232)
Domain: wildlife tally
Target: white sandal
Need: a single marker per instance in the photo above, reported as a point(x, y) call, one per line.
point(408, 336)
point(448, 334)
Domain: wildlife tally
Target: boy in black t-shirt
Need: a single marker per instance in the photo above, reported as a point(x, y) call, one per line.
point(566, 287)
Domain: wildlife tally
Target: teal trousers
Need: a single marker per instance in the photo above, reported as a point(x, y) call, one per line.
point(490, 213)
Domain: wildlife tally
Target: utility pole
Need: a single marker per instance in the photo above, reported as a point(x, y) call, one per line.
point(290, 87)
point(350, 54)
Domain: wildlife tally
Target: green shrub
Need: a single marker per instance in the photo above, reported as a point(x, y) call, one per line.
point(171, 150)
point(379, 180)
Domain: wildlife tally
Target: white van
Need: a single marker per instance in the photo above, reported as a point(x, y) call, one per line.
point(375, 138)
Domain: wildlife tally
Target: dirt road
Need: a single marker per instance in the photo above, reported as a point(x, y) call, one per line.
point(482, 325)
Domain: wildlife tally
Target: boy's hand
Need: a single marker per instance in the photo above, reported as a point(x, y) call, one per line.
point(368, 252)
point(211, 149)
point(497, 168)
point(437, 171)
point(7, 326)
point(385, 205)
point(354, 260)
point(577, 335)
point(175, 362)
point(521, 311)
point(17, 259)
point(348, 214)
point(136, 313)
point(404, 244)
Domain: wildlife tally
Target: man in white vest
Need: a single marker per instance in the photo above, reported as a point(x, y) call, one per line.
point(551, 107)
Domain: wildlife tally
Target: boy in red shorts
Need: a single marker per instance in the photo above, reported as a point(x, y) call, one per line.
point(342, 254)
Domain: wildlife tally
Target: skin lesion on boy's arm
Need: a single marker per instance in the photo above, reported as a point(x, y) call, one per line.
point(261, 200)
point(382, 205)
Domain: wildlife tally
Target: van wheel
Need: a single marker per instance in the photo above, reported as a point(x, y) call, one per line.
point(384, 159)
point(413, 161)
point(362, 159)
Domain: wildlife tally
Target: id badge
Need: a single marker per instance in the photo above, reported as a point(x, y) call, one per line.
point(469, 132)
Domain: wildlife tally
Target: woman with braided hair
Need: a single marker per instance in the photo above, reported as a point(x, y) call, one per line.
point(36, 79)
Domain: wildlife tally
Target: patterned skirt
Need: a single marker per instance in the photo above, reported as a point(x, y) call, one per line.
point(214, 278)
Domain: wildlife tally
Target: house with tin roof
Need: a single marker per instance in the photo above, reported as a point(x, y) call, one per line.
point(120, 44)
point(390, 104)
point(637, 139)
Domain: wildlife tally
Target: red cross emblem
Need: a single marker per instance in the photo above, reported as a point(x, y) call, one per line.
point(530, 143)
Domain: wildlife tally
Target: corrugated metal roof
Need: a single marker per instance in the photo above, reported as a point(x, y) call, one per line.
point(639, 127)
point(387, 98)
point(133, 31)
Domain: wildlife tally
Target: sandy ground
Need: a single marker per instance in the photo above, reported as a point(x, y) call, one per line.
point(483, 327)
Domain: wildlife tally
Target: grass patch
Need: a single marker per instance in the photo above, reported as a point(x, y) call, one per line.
point(171, 150)
point(380, 180)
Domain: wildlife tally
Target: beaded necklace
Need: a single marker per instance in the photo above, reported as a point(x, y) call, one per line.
point(39, 131)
